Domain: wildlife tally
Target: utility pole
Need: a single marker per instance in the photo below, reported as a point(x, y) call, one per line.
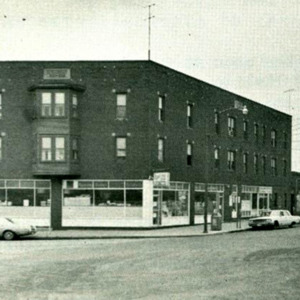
point(149, 29)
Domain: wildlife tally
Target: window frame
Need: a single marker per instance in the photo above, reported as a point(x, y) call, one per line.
point(53, 150)
point(121, 110)
point(217, 122)
point(161, 108)
point(75, 150)
point(256, 131)
point(74, 106)
point(119, 149)
point(1, 148)
point(245, 129)
point(1, 106)
point(273, 138)
point(245, 162)
point(231, 160)
point(161, 150)
point(255, 164)
point(231, 126)
point(217, 157)
point(189, 115)
point(274, 166)
point(189, 154)
point(55, 109)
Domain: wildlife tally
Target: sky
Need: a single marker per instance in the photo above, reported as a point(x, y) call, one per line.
point(249, 47)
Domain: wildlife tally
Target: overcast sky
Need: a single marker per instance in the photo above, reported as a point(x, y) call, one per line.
point(249, 47)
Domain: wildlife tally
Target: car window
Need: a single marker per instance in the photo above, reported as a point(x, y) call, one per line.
point(274, 213)
point(9, 220)
point(287, 213)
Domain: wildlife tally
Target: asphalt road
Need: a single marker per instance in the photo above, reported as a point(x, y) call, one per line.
point(245, 265)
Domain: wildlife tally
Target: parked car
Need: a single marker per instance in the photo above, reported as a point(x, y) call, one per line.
point(10, 229)
point(274, 219)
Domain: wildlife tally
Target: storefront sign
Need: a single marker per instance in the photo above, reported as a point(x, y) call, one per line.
point(265, 190)
point(57, 74)
point(161, 179)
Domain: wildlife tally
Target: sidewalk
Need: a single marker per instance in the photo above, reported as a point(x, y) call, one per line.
point(186, 231)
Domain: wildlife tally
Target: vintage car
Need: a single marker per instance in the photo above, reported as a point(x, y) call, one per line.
point(274, 219)
point(10, 229)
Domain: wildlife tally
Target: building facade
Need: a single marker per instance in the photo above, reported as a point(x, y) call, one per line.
point(80, 143)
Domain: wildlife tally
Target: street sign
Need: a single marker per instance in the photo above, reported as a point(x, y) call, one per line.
point(161, 179)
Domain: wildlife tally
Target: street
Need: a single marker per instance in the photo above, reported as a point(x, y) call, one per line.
point(262, 264)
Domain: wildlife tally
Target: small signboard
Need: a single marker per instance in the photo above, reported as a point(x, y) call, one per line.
point(57, 74)
point(161, 179)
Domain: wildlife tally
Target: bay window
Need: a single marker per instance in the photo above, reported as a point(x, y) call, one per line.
point(52, 148)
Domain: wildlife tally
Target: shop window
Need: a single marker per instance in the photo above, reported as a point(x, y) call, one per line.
point(161, 150)
point(74, 106)
point(245, 163)
point(231, 160)
point(217, 158)
point(53, 104)
point(273, 138)
point(245, 129)
point(52, 148)
point(161, 108)
point(231, 126)
point(121, 147)
point(189, 154)
point(254, 201)
point(216, 120)
point(274, 166)
point(189, 115)
point(121, 106)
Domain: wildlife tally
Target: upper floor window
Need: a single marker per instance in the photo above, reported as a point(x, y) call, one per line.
point(0, 106)
point(255, 164)
point(53, 104)
point(245, 129)
point(245, 162)
point(74, 106)
point(284, 170)
point(189, 153)
point(273, 138)
point(121, 147)
point(274, 166)
point(1, 154)
point(52, 148)
point(285, 140)
point(263, 165)
point(189, 115)
point(256, 131)
point(231, 159)
point(75, 149)
point(263, 133)
point(161, 108)
point(217, 158)
point(161, 150)
point(216, 120)
point(231, 126)
point(121, 106)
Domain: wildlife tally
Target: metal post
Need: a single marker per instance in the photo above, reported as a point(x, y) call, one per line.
point(206, 181)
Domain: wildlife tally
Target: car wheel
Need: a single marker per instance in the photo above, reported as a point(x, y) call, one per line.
point(276, 225)
point(292, 224)
point(8, 235)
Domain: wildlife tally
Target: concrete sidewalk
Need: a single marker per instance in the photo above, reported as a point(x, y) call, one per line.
point(182, 231)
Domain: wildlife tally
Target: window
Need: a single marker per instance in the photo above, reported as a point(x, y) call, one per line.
point(121, 106)
point(52, 148)
point(46, 105)
point(59, 148)
point(231, 126)
point(245, 129)
point(217, 158)
point(1, 148)
point(284, 171)
point(161, 108)
point(256, 131)
point(255, 164)
point(121, 147)
point(75, 149)
point(74, 106)
point(285, 140)
point(263, 134)
point(189, 153)
point(273, 138)
point(189, 115)
point(161, 149)
point(245, 162)
point(0, 106)
point(46, 149)
point(59, 104)
point(217, 129)
point(53, 104)
point(263, 165)
point(274, 166)
point(231, 160)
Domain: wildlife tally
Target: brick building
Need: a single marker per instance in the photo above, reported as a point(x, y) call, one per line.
point(80, 142)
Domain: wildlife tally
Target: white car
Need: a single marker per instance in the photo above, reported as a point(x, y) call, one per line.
point(274, 219)
point(10, 229)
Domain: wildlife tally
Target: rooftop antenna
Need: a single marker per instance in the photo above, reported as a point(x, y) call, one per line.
point(149, 28)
